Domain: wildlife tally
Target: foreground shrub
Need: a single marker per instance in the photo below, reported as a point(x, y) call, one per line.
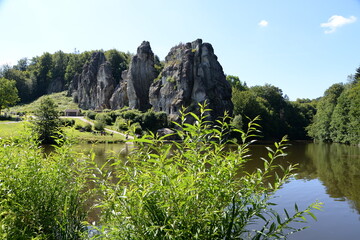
point(195, 189)
point(41, 197)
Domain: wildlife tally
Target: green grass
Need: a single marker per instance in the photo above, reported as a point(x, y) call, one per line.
point(16, 130)
point(64, 102)
point(12, 130)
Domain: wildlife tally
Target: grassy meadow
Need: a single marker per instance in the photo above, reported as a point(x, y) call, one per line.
point(17, 130)
point(63, 102)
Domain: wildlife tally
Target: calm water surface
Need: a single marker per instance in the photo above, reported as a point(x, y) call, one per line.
point(329, 173)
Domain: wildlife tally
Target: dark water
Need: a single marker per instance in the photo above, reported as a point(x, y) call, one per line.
point(329, 173)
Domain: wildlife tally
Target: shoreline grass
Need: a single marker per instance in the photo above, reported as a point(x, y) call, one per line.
point(16, 130)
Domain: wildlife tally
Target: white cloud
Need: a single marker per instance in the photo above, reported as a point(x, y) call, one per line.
point(336, 21)
point(263, 23)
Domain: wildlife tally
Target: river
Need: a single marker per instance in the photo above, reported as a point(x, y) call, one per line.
point(329, 173)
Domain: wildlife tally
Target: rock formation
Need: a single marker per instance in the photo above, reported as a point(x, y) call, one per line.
point(191, 75)
point(120, 99)
point(95, 85)
point(139, 77)
point(56, 85)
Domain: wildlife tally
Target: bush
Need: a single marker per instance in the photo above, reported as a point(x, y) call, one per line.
point(88, 127)
point(99, 126)
point(91, 115)
point(193, 189)
point(67, 122)
point(41, 197)
point(154, 120)
point(104, 118)
point(136, 128)
point(5, 118)
point(134, 115)
point(79, 126)
point(121, 124)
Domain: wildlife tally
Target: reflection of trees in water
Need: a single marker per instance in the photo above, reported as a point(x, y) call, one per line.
point(104, 152)
point(338, 167)
point(306, 169)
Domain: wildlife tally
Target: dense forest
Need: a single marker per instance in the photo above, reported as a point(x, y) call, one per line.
point(332, 118)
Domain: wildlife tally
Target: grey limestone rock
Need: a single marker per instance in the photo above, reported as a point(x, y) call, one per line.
point(95, 85)
point(139, 77)
point(192, 75)
point(119, 99)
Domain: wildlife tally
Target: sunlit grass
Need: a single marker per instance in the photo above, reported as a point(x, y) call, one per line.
point(18, 129)
point(63, 102)
point(13, 129)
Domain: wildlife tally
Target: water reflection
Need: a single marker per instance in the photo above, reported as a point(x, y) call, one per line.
point(338, 167)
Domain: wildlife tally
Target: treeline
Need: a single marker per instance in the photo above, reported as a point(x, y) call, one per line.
point(50, 73)
point(279, 116)
point(338, 113)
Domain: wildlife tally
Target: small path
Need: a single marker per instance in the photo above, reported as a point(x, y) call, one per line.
point(107, 129)
point(1, 122)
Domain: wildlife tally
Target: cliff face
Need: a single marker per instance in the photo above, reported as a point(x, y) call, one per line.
point(120, 99)
point(95, 85)
point(139, 77)
point(191, 75)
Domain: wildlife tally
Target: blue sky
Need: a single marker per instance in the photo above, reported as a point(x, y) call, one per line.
point(302, 47)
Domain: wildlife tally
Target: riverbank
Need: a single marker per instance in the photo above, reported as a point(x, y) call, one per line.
point(11, 130)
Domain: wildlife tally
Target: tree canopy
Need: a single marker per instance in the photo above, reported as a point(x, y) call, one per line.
point(8, 93)
point(338, 115)
point(278, 115)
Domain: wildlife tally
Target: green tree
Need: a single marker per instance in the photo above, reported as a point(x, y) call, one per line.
point(47, 124)
point(22, 64)
point(357, 75)
point(345, 120)
point(8, 93)
point(23, 83)
point(320, 127)
point(59, 61)
point(119, 62)
point(75, 63)
point(235, 82)
point(43, 74)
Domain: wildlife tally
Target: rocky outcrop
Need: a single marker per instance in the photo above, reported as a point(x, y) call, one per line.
point(120, 99)
point(191, 75)
point(139, 77)
point(56, 85)
point(95, 85)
